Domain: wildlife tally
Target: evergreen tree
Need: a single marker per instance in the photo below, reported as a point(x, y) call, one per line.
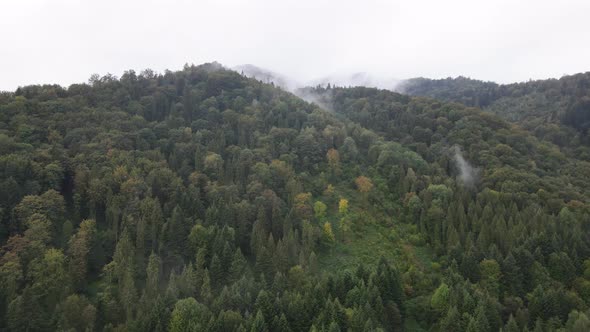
point(259, 324)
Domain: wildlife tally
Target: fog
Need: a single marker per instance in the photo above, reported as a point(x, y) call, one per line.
point(65, 41)
point(468, 175)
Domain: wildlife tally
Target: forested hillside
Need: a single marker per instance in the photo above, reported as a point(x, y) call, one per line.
point(201, 200)
point(557, 110)
point(511, 232)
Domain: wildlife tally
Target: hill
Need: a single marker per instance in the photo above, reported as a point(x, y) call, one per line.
point(556, 110)
point(204, 200)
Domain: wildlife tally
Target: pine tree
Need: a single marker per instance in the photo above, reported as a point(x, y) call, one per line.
point(264, 264)
point(511, 276)
point(153, 276)
point(265, 305)
point(511, 326)
point(472, 326)
point(259, 324)
point(79, 249)
point(334, 327)
point(124, 256)
point(128, 294)
point(281, 259)
point(216, 272)
point(282, 324)
point(481, 321)
point(238, 266)
point(206, 293)
point(451, 322)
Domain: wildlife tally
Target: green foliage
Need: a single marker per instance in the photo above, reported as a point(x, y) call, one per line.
point(319, 209)
point(189, 315)
point(203, 200)
point(490, 273)
point(440, 298)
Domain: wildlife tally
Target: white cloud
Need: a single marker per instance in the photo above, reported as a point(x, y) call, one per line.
point(64, 41)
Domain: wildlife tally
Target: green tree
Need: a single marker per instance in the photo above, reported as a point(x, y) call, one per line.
point(452, 320)
point(79, 248)
point(440, 298)
point(238, 266)
point(189, 315)
point(77, 313)
point(490, 276)
point(319, 209)
point(259, 323)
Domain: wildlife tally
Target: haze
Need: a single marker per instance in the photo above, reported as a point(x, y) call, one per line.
point(64, 41)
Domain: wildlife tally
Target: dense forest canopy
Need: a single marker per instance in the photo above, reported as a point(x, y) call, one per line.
point(202, 200)
point(557, 110)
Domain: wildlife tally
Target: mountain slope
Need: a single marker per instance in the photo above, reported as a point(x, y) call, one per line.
point(555, 110)
point(205, 200)
point(506, 213)
point(195, 199)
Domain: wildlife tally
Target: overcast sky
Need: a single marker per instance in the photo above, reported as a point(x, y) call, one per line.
point(65, 41)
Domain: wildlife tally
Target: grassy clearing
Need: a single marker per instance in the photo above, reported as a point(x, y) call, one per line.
point(373, 234)
point(365, 244)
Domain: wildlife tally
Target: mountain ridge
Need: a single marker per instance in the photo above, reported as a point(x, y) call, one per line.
point(205, 200)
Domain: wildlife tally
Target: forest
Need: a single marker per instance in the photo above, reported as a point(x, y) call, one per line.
point(203, 200)
point(557, 110)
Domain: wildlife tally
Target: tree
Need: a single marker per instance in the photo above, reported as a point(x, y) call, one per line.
point(561, 267)
point(128, 294)
point(329, 237)
point(490, 276)
point(123, 258)
point(152, 283)
point(481, 320)
point(511, 276)
point(345, 226)
point(228, 320)
point(189, 315)
point(77, 313)
point(363, 184)
point(319, 209)
point(11, 276)
point(577, 322)
point(349, 150)
point(264, 264)
point(214, 165)
point(452, 321)
point(440, 298)
point(238, 266)
point(50, 279)
point(302, 205)
point(50, 204)
point(206, 294)
point(79, 248)
point(333, 158)
point(343, 206)
point(216, 271)
point(259, 324)
point(511, 326)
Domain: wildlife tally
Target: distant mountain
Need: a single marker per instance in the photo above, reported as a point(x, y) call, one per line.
point(536, 105)
point(461, 89)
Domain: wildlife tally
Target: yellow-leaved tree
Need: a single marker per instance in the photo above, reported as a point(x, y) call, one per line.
point(343, 206)
point(364, 186)
point(345, 222)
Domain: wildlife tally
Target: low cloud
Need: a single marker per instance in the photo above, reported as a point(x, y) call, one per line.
point(468, 175)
